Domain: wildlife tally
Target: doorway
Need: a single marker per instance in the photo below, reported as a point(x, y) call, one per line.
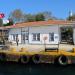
point(24, 38)
point(66, 35)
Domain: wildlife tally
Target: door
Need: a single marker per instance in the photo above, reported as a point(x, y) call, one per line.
point(24, 37)
point(67, 35)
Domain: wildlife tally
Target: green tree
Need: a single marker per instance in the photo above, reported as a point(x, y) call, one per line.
point(30, 18)
point(1, 22)
point(48, 15)
point(39, 17)
point(17, 15)
point(71, 18)
point(10, 23)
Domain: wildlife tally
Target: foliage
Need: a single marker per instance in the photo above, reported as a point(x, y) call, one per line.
point(30, 18)
point(48, 15)
point(18, 16)
point(39, 17)
point(1, 22)
point(10, 23)
point(71, 18)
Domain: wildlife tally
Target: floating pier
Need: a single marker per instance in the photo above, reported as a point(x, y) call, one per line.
point(53, 56)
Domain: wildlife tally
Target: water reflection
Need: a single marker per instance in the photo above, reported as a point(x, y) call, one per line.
point(35, 69)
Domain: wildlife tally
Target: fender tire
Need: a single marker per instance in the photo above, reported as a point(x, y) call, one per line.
point(36, 59)
point(2, 57)
point(24, 59)
point(63, 60)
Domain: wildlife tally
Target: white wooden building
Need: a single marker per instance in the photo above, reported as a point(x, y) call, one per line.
point(36, 32)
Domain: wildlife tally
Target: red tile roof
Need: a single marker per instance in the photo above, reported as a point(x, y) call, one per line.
point(40, 23)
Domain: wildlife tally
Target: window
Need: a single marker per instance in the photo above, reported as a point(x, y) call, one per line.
point(25, 36)
point(36, 36)
point(14, 36)
point(51, 36)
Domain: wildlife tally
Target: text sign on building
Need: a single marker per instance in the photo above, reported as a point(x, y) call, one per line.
point(2, 15)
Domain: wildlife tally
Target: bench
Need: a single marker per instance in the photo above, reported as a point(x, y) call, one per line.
point(51, 49)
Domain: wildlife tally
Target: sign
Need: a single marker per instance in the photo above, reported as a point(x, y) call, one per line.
point(2, 15)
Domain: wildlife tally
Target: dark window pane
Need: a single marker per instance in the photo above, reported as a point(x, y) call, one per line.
point(36, 36)
point(51, 36)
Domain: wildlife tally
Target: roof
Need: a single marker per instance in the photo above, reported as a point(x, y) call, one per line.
point(39, 23)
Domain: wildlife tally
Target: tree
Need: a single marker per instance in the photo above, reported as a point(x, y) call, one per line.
point(39, 17)
point(10, 23)
point(1, 22)
point(48, 15)
point(16, 15)
point(71, 18)
point(30, 18)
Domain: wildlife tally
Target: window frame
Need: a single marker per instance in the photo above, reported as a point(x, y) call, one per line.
point(14, 36)
point(51, 36)
point(36, 37)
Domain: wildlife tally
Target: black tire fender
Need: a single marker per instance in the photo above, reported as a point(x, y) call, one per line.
point(63, 60)
point(36, 58)
point(2, 57)
point(24, 59)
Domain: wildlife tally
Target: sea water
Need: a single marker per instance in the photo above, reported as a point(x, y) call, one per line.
point(35, 69)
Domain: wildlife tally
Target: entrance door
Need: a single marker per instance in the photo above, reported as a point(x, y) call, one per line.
point(67, 35)
point(24, 37)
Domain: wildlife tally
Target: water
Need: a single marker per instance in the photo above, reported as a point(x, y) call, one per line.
point(34, 69)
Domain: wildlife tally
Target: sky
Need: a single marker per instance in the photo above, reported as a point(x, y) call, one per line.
point(58, 8)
